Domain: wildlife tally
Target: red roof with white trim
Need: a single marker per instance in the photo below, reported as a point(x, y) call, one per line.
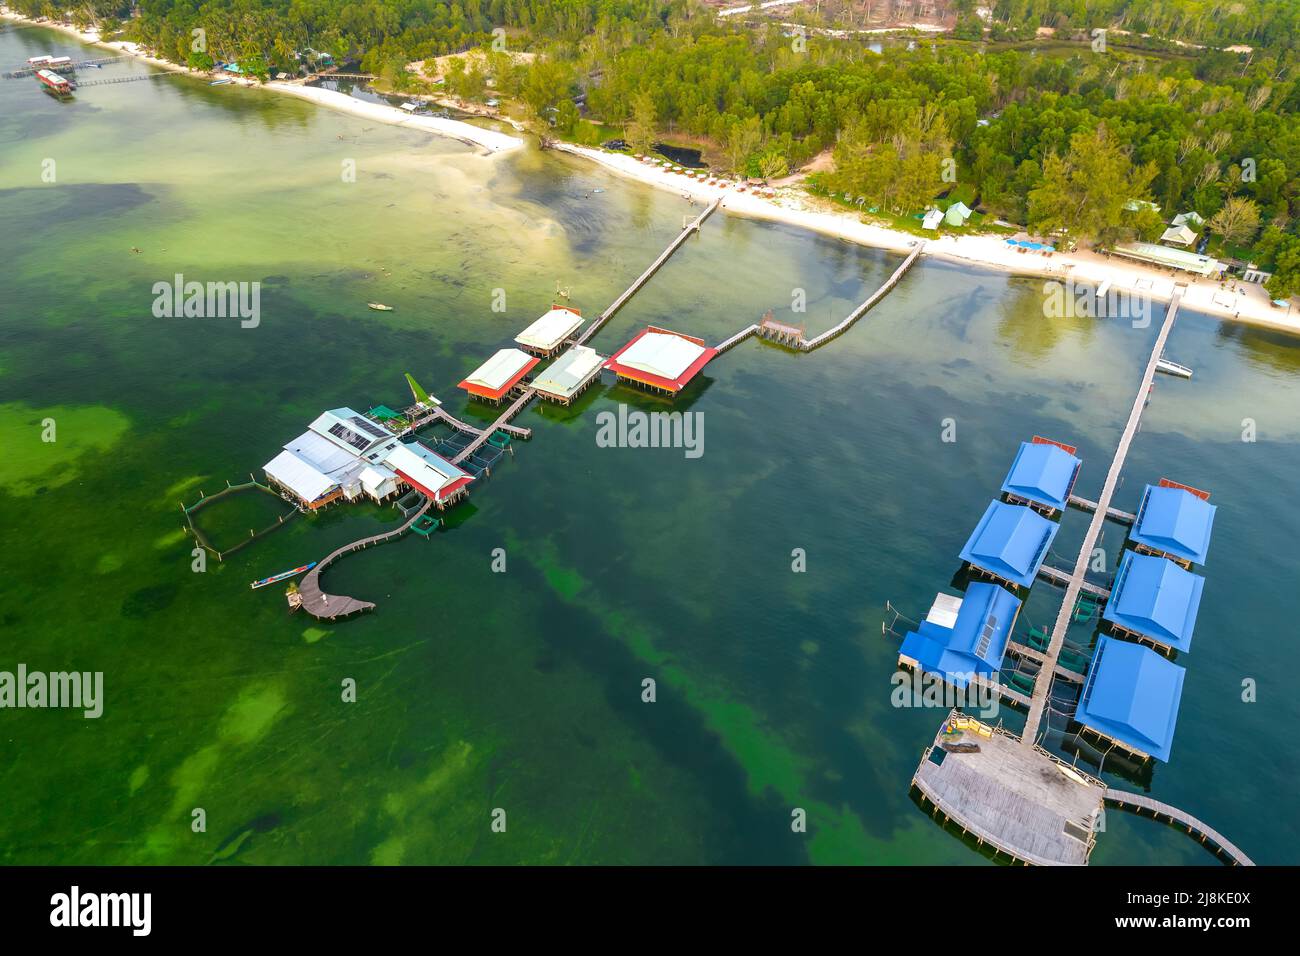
point(662, 358)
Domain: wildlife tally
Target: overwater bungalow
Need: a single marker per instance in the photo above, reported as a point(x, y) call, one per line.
point(1009, 543)
point(570, 375)
point(660, 360)
point(494, 379)
point(1154, 600)
point(1131, 698)
point(547, 335)
point(1042, 475)
point(963, 638)
point(429, 473)
point(1175, 521)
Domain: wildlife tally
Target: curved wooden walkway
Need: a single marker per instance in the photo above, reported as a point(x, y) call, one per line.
point(807, 345)
point(1206, 833)
point(327, 607)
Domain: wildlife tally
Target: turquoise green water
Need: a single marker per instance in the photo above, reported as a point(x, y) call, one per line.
point(522, 690)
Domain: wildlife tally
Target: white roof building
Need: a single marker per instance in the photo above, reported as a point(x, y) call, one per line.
point(549, 332)
point(661, 354)
point(932, 219)
point(1192, 219)
point(349, 430)
point(570, 373)
point(500, 370)
point(1179, 235)
point(428, 472)
point(378, 481)
point(299, 477)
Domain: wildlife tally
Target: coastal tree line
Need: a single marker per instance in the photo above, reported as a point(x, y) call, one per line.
point(1066, 142)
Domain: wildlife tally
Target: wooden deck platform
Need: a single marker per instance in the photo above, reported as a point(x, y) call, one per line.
point(1042, 687)
point(502, 422)
point(1020, 801)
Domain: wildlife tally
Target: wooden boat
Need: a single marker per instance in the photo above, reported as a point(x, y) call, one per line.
point(282, 575)
point(380, 307)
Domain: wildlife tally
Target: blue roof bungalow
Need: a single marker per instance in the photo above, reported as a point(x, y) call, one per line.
point(1010, 543)
point(1131, 697)
point(971, 642)
point(1043, 474)
point(1175, 521)
point(1155, 599)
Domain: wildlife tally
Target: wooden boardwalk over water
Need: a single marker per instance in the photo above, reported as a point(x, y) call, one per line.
point(1114, 514)
point(330, 606)
point(689, 230)
point(1063, 578)
point(1042, 687)
point(786, 335)
point(1209, 836)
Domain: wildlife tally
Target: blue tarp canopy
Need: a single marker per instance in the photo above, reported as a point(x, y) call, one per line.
point(1010, 542)
point(1156, 598)
point(1175, 522)
point(976, 641)
point(1043, 474)
point(1132, 696)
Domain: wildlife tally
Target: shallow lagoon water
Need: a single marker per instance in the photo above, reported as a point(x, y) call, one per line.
point(522, 690)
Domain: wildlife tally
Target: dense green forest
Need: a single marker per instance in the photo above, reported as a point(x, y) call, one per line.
point(1061, 140)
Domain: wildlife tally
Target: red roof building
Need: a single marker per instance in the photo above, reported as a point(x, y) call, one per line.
point(661, 359)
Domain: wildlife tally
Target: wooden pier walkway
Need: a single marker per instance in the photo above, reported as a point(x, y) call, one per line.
point(515, 431)
point(1057, 576)
point(690, 229)
point(330, 606)
point(791, 337)
point(515, 408)
point(1042, 686)
point(1209, 836)
point(1038, 657)
point(31, 70)
point(133, 78)
point(1114, 514)
point(807, 345)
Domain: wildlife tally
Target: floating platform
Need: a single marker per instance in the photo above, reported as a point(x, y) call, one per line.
point(1020, 801)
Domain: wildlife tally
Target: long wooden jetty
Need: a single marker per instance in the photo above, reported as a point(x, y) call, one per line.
point(133, 78)
point(31, 70)
point(689, 230)
point(515, 431)
point(1207, 835)
point(330, 606)
point(793, 337)
point(807, 345)
point(1042, 686)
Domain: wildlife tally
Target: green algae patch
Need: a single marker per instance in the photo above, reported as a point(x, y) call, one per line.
point(252, 714)
point(31, 464)
point(108, 563)
point(313, 634)
point(139, 776)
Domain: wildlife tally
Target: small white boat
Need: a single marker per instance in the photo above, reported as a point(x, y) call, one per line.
point(380, 307)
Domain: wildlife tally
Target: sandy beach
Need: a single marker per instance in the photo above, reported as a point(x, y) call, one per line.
point(489, 140)
point(1239, 301)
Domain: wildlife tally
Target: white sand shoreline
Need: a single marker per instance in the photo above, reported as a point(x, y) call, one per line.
point(1248, 303)
point(488, 139)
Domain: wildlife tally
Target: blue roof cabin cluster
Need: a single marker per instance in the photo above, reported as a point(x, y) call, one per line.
point(965, 637)
point(1132, 691)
